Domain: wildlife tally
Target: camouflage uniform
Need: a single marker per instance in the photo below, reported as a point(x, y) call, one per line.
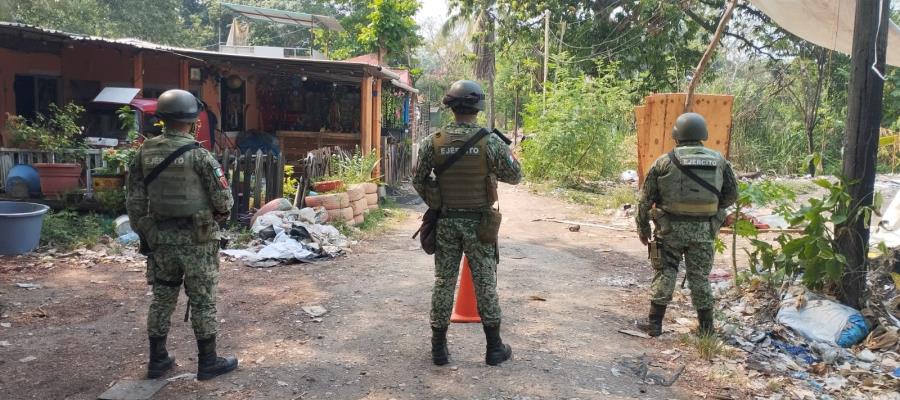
point(184, 249)
point(456, 236)
point(690, 237)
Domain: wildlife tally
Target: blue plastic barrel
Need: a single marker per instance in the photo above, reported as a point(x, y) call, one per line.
point(26, 176)
point(20, 226)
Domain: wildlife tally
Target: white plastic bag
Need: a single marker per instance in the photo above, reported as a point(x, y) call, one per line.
point(820, 319)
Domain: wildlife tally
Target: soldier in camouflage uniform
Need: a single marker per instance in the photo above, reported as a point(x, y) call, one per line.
point(687, 215)
point(176, 214)
point(464, 199)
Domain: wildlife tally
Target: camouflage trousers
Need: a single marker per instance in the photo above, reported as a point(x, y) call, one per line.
point(455, 237)
point(698, 260)
point(197, 266)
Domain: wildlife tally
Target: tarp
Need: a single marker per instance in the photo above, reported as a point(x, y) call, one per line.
point(827, 23)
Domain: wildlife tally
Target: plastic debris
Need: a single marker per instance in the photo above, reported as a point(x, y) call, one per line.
point(128, 238)
point(291, 236)
point(314, 311)
point(29, 286)
point(820, 319)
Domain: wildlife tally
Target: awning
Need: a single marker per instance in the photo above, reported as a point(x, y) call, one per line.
point(827, 23)
point(404, 86)
point(285, 17)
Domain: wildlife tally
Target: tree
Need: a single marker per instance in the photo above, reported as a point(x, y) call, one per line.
point(391, 28)
point(484, 17)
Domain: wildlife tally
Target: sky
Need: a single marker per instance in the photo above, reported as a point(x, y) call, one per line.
point(432, 11)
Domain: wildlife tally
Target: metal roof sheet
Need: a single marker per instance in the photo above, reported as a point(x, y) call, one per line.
point(285, 17)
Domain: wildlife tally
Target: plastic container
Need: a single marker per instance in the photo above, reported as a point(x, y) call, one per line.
point(21, 226)
point(57, 179)
point(123, 225)
point(23, 181)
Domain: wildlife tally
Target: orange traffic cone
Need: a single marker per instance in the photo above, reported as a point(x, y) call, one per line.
point(465, 308)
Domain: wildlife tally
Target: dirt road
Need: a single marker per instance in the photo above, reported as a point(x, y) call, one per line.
point(564, 296)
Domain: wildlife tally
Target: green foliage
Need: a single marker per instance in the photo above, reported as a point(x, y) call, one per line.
point(117, 160)
point(290, 183)
point(813, 253)
point(68, 229)
point(391, 27)
point(59, 131)
point(580, 134)
point(355, 168)
point(239, 236)
point(708, 345)
point(112, 200)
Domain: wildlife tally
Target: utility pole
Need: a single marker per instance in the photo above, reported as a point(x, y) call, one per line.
point(861, 141)
point(546, 56)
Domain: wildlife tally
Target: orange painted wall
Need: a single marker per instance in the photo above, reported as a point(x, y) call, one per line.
point(161, 70)
point(94, 63)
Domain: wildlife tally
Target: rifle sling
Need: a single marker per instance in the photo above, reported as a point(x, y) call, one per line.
point(167, 161)
point(459, 153)
point(690, 174)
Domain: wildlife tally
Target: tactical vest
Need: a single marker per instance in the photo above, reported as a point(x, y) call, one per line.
point(680, 194)
point(463, 184)
point(178, 191)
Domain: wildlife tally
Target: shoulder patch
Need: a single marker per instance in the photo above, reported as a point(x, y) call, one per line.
point(220, 175)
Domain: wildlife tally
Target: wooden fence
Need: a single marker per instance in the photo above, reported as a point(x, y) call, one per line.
point(89, 160)
point(396, 162)
point(258, 176)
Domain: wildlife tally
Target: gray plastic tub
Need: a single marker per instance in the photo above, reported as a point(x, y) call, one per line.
point(20, 226)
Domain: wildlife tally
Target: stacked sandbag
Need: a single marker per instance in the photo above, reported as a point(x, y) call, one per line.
point(337, 205)
point(357, 195)
point(371, 195)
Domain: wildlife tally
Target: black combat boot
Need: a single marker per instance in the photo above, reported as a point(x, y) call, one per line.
point(653, 326)
point(209, 365)
point(497, 352)
point(439, 352)
point(160, 362)
point(705, 317)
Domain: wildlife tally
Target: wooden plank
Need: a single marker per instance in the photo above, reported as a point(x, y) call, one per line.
point(226, 162)
point(270, 176)
point(674, 108)
point(258, 177)
point(365, 118)
point(279, 182)
point(235, 183)
point(639, 120)
point(376, 125)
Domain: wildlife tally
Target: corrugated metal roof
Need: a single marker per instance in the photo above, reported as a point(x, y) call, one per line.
point(331, 66)
point(285, 17)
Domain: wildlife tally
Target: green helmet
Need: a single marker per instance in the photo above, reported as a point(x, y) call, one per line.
point(690, 127)
point(464, 94)
point(178, 105)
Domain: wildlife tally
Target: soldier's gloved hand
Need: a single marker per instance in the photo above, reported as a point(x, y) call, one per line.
point(645, 241)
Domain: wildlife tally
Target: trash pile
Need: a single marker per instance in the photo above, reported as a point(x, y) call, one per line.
point(285, 234)
point(810, 346)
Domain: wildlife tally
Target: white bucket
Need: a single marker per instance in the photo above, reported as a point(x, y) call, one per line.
point(123, 225)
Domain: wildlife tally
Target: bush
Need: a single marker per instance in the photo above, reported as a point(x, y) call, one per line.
point(353, 168)
point(112, 200)
point(581, 133)
point(59, 131)
point(68, 229)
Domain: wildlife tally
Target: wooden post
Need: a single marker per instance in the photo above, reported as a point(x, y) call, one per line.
point(235, 182)
point(376, 125)
point(183, 78)
point(137, 74)
point(365, 117)
point(861, 139)
point(707, 55)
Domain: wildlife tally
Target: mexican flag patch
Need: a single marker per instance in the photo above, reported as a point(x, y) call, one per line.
point(223, 181)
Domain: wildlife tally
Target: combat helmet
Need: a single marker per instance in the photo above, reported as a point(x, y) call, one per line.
point(690, 127)
point(178, 105)
point(464, 94)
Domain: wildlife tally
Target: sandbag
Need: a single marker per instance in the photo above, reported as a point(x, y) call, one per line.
point(280, 204)
point(373, 207)
point(356, 192)
point(341, 215)
point(331, 201)
point(372, 198)
point(360, 206)
point(371, 188)
point(358, 219)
